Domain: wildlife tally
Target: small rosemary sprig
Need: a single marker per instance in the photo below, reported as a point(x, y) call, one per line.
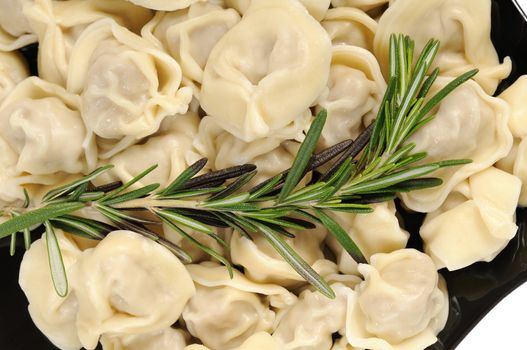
point(373, 168)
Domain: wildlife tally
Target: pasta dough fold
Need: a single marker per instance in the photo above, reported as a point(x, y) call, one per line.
point(462, 27)
point(401, 305)
point(15, 29)
point(53, 315)
point(267, 70)
point(190, 35)
point(476, 221)
point(239, 308)
point(469, 124)
point(128, 285)
point(43, 137)
point(127, 85)
point(355, 91)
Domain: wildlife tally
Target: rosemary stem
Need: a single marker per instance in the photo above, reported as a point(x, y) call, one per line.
point(150, 203)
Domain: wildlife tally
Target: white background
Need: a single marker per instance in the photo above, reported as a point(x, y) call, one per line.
point(504, 327)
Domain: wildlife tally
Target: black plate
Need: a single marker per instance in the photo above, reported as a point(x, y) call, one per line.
point(474, 291)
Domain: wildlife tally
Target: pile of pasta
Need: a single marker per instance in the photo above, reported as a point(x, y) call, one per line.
point(142, 82)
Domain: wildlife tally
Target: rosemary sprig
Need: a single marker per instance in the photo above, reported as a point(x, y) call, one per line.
point(373, 168)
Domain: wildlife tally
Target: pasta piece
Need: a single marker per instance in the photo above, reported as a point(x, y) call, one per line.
point(127, 85)
point(342, 344)
point(128, 285)
point(355, 91)
point(171, 150)
point(54, 316)
point(267, 70)
point(168, 339)
point(469, 124)
point(12, 71)
point(401, 305)
point(462, 27)
point(43, 137)
point(364, 5)
point(476, 222)
point(58, 25)
point(257, 341)
point(15, 30)
point(350, 26)
point(238, 310)
point(190, 35)
point(377, 232)
point(165, 5)
point(262, 263)
point(516, 161)
point(261, 341)
point(310, 323)
point(515, 97)
point(317, 8)
point(270, 155)
point(520, 170)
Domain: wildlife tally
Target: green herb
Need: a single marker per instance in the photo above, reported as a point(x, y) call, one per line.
point(373, 168)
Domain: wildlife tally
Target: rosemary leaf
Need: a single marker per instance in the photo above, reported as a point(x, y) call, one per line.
point(185, 176)
point(198, 244)
point(128, 196)
point(119, 216)
point(391, 180)
point(12, 245)
point(27, 238)
point(78, 227)
point(346, 208)
point(341, 235)
point(215, 177)
point(265, 187)
point(37, 216)
point(303, 156)
point(128, 184)
point(192, 193)
point(56, 264)
point(185, 221)
point(296, 262)
point(235, 186)
point(60, 191)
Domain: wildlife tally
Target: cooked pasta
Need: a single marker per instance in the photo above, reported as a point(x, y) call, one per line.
point(128, 84)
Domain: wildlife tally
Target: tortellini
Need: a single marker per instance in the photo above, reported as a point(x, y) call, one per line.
point(43, 136)
point(376, 232)
point(350, 26)
point(469, 124)
point(364, 5)
point(267, 70)
point(12, 71)
point(128, 285)
point(168, 339)
point(517, 159)
point(401, 305)
point(58, 25)
point(164, 5)
point(190, 35)
point(355, 90)
point(15, 29)
point(462, 27)
point(475, 223)
point(310, 323)
point(317, 8)
point(262, 263)
point(237, 311)
point(270, 155)
point(53, 315)
point(171, 150)
point(127, 85)
point(257, 341)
